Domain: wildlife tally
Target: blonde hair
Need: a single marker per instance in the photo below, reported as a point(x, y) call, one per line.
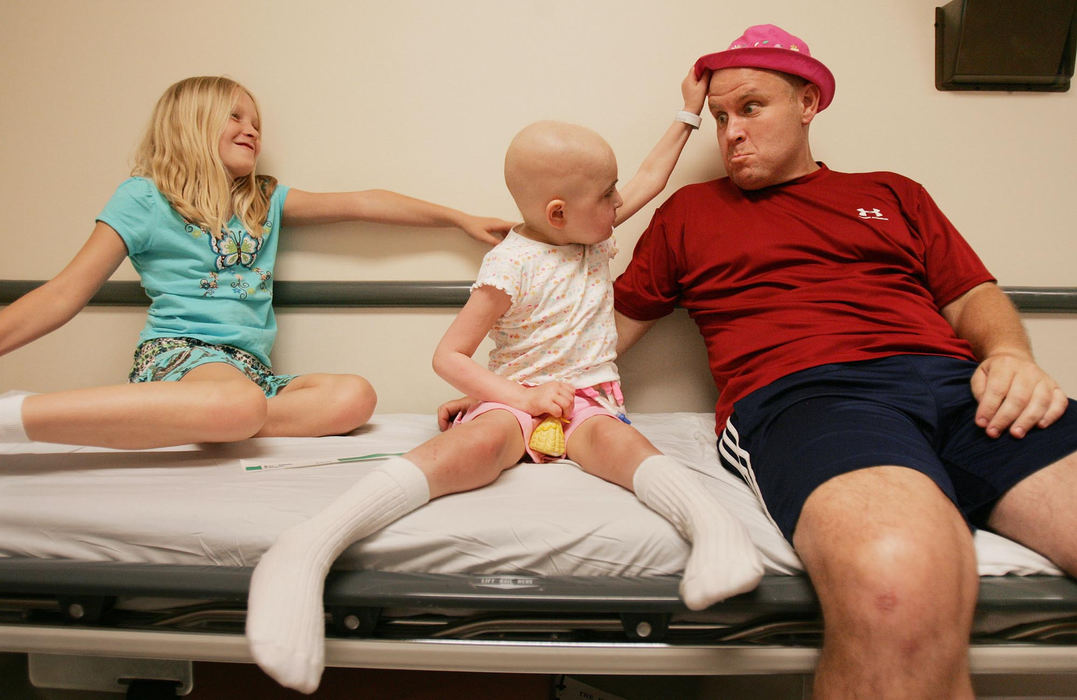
point(180, 153)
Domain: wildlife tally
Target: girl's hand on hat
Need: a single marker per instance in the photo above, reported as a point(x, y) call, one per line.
point(694, 91)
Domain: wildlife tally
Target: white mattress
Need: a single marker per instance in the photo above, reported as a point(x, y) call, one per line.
point(197, 505)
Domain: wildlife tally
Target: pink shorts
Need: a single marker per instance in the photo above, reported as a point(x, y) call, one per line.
point(583, 407)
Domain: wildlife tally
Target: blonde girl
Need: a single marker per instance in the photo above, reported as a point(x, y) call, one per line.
point(200, 226)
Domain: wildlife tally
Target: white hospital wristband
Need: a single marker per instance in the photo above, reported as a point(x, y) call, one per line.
point(692, 120)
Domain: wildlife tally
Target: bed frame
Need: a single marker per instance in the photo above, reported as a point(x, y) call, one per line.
point(584, 625)
point(61, 612)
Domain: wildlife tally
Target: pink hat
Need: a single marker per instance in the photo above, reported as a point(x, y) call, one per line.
point(773, 48)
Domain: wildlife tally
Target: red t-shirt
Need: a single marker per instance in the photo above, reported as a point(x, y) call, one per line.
point(829, 267)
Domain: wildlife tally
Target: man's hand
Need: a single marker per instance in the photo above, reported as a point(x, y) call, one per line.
point(1015, 394)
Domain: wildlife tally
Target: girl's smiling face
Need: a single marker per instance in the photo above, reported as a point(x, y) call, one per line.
point(240, 141)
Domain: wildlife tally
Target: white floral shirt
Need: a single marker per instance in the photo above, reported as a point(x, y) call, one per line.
point(560, 326)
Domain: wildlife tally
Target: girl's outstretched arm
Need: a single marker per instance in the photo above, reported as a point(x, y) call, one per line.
point(654, 171)
point(385, 207)
point(57, 301)
point(453, 360)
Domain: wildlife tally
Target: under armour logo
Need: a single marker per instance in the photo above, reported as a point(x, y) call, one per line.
point(873, 214)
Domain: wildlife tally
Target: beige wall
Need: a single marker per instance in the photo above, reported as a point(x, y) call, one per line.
point(422, 96)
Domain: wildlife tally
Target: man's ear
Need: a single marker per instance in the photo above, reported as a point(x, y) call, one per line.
point(809, 102)
point(555, 213)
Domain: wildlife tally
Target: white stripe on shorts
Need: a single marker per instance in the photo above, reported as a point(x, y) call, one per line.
point(733, 454)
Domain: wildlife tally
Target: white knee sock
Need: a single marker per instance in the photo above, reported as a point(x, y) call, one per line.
point(723, 561)
point(11, 428)
point(285, 615)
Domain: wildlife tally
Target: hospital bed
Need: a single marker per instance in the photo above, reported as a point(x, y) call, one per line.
point(146, 555)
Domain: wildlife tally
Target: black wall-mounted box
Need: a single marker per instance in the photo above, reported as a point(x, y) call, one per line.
point(1005, 45)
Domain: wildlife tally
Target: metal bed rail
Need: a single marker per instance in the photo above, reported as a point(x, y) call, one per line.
point(427, 294)
point(528, 624)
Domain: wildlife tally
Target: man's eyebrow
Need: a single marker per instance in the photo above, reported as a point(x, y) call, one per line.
point(738, 96)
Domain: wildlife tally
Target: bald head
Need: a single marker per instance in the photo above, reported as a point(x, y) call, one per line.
point(552, 160)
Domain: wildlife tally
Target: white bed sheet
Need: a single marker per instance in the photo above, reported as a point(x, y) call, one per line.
point(197, 505)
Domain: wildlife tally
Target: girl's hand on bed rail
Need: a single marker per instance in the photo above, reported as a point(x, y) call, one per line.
point(448, 411)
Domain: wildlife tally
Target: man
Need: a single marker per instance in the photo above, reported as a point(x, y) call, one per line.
point(877, 389)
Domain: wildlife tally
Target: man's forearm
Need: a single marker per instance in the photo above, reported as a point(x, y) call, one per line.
point(988, 320)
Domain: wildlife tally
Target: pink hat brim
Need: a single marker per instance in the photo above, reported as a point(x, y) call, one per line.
point(782, 60)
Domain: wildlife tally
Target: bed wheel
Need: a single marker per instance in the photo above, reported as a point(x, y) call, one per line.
point(642, 627)
point(152, 690)
point(350, 622)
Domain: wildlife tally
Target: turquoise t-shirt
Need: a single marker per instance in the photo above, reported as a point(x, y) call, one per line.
point(219, 291)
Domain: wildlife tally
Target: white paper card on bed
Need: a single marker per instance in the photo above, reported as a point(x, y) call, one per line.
point(260, 464)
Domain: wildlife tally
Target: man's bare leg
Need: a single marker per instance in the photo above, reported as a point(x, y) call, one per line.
point(893, 563)
point(1041, 513)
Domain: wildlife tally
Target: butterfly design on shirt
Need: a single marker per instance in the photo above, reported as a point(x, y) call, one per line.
point(235, 248)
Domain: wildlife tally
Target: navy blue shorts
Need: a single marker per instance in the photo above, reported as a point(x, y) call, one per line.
point(914, 411)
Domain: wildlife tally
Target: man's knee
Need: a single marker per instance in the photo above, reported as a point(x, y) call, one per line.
point(892, 573)
point(889, 552)
point(899, 597)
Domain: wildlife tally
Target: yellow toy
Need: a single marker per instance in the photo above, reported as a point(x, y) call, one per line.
point(548, 437)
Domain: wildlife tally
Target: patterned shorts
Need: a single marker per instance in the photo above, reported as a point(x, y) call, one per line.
point(169, 359)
